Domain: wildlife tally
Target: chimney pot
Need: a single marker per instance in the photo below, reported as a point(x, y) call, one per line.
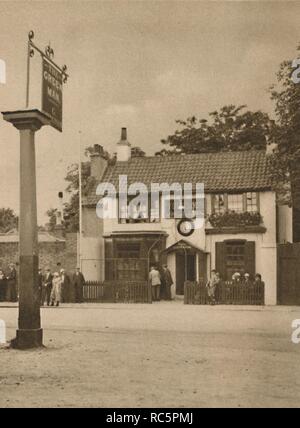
point(123, 147)
point(124, 134)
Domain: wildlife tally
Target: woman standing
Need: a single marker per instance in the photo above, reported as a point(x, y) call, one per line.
point(56, 289)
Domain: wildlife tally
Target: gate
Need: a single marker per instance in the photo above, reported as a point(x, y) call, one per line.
point(288, 274)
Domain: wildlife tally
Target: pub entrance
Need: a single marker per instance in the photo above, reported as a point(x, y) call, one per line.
point(185, 270)
point(189, 264)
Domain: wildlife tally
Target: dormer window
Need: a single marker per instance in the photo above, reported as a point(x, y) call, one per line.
point(237, 202)
point(252, 202)
point(219, 205)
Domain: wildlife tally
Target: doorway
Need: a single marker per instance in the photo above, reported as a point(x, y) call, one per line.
point(185, 270)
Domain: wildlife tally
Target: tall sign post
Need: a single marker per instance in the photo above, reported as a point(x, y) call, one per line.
point(28, 122)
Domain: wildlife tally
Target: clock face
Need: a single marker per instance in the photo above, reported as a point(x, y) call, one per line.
point(185, 227)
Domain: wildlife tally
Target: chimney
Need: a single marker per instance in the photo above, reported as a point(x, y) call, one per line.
point(123, 147)
point(98, 162)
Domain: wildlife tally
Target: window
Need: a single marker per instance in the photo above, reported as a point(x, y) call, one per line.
point(251, 202)
point(219, 205)
point(155, 211)
point(235, 258)
point(141, 213)
point(186, 209)
point(128, 263)
point(128, 251)
point(239, 202)
point(235, 203)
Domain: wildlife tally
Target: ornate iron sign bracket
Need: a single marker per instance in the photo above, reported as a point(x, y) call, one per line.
point(48, 55)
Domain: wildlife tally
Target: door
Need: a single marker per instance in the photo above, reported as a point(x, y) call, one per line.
point(180, 273)
point(191, 267)
point(185, 270)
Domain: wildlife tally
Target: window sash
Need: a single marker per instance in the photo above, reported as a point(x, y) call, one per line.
point(142, 215)
point(226, 202)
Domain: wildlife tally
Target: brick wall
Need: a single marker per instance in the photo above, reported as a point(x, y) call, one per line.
point(50, 253)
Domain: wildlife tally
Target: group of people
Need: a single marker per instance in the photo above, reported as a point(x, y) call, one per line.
point(8, 284)
point(53, 288)
point(58, 287)
point(161, 282)
point(237, 279)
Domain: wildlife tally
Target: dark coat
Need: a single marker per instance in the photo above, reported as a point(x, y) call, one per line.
point(48, 280)
point(168, 277)
point(66, 289)
point(78, 283)
point(40, 280)
point(12, 276)
point(78, 279)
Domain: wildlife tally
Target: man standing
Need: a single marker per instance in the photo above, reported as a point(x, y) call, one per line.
point(78, 282)
point(47, 286)
point(155, 281)
point(11, 295)
point(41, 286)
point(168, 280)
point(65, 287)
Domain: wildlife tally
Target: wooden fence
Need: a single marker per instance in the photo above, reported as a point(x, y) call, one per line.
point(227, 293)
point(288, 274)
point(117, 292)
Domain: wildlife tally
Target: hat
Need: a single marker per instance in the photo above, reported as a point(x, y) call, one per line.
point(247, 275)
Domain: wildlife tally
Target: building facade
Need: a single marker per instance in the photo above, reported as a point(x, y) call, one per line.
point(241, 229)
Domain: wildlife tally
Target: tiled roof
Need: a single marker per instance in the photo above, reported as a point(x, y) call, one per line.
point(220, 172)
point(13, 237)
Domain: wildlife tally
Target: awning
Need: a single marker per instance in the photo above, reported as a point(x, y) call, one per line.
point(183, 245)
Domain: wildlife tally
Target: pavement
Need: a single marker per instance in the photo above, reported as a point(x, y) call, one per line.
point(162, 355)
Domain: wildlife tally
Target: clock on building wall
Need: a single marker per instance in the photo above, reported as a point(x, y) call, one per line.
point(186, 227)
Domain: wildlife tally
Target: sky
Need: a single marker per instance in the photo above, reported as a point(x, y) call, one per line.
point(139, 65)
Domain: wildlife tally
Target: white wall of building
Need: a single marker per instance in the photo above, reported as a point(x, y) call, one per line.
point(265, 243)
point(285, 224)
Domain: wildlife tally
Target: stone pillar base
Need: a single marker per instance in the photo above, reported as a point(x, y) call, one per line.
point(28, 339)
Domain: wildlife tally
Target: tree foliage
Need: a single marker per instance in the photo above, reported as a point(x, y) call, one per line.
point(230, 129)
point(137, 152)
point(286, 95)
point(8, 220)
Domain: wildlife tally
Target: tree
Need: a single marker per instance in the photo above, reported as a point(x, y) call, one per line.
point(8, 220)
point(286, 95)
point(51, 213)
point(71, 208)
point(230, 129)
point(137, 152)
